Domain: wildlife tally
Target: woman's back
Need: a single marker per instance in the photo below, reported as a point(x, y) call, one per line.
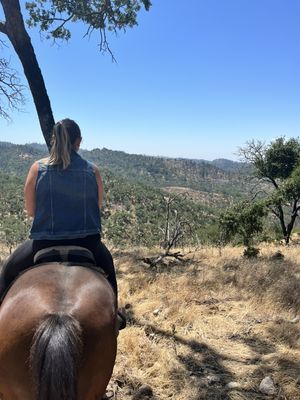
point(67, 203)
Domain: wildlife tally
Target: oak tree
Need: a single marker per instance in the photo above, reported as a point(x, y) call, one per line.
point(276, 166)
point(244, 220)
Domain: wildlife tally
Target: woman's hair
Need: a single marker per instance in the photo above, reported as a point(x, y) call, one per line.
point(64, 135)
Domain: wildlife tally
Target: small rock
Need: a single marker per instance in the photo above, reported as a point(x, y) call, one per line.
point(267, 386)
point(212, 379)
point(144, 392)
point(233, 385)
point(156, 312)
point(202, 383)
point(206, 381)
point(108, 395)
point(295, 320)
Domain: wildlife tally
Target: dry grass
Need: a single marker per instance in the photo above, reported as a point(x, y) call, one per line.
point(3, 253)
point(215, 319)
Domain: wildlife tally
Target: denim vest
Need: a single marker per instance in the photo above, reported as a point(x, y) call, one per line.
point(66, 201)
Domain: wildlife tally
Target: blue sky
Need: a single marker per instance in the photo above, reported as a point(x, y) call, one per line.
point(195, 79)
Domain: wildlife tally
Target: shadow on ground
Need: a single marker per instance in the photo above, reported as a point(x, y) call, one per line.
point(283, 368)
point(204, 366)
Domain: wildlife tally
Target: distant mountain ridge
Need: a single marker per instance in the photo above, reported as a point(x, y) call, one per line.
point(220, 176)
point(221, 163)
point(227, 165)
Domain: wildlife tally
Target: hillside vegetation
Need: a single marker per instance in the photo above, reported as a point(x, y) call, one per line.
point(147, 199)
point(152, 171)
point(161, 172)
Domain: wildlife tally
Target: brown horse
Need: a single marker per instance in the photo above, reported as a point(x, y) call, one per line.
point(58, 336)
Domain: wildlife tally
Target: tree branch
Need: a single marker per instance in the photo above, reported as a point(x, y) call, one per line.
point(272, 180)
point(274, 212)
point(63, 22)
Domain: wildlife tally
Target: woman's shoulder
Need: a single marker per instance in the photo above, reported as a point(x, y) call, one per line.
point(38, 165)
point(41, 164)
point(91, 165)
point(43, 161)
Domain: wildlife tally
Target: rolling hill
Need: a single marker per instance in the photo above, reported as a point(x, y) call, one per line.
point(222, 177)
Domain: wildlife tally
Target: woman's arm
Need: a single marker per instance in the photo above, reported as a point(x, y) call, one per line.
point(100, 186)
point(29, 189)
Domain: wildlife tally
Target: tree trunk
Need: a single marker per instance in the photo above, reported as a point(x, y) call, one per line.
point(14, 28)
point(291, 224)
point(282, 224)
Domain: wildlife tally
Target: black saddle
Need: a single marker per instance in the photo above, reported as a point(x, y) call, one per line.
point(65, 254)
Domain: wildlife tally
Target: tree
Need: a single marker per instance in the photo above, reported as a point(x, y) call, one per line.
point(54, 17)
point(244, 220)
point(277, 168)
point(14, 224)
point(13, 230)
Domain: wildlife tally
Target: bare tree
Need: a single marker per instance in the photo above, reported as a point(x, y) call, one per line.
point(174, 230)
point(11, 90)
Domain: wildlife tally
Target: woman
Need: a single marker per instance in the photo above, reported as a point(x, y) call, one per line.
point(63, 194)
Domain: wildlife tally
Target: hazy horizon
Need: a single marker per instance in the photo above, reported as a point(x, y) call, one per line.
point(126, 152)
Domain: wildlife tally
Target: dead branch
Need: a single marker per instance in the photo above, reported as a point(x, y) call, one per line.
point(153, 261)
point(10, 89)
point(174, 230)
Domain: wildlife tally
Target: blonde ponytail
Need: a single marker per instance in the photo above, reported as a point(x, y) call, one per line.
point(64, 134)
